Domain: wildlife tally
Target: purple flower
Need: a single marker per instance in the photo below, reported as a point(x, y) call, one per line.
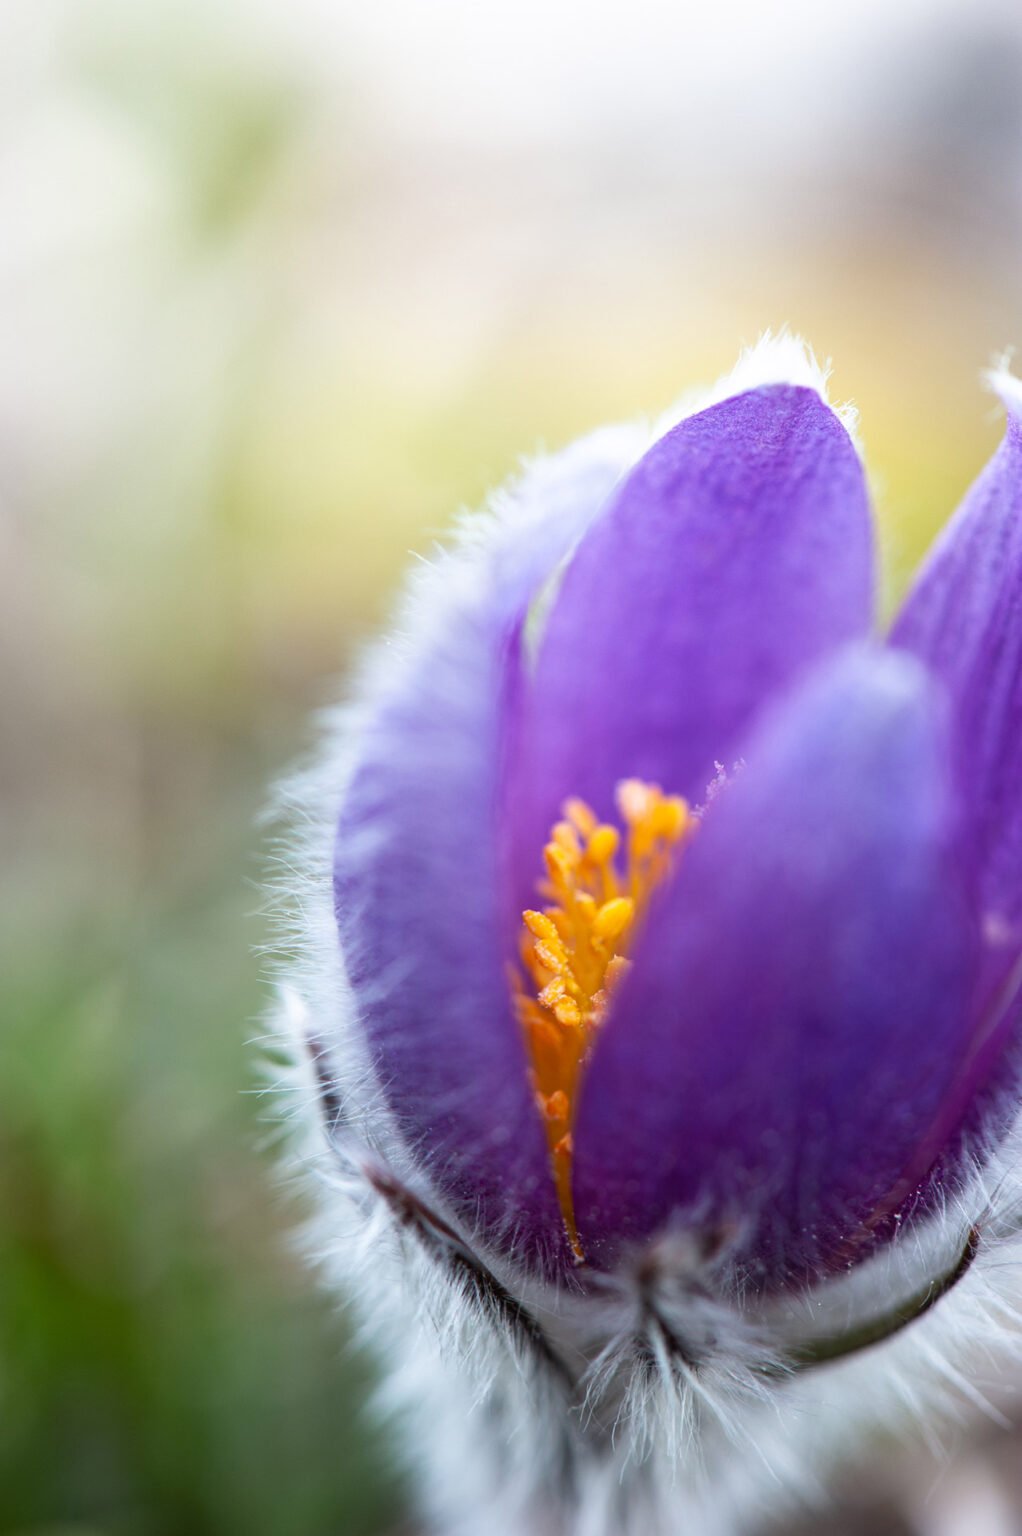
point(799, 1023)
point(657, 975)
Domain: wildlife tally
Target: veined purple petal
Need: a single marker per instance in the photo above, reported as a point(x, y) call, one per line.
point(415, 880)
point(963, 618)
point(778, 1061)
point(737, 552)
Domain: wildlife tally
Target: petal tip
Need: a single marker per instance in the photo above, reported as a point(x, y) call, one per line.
point(778, 357)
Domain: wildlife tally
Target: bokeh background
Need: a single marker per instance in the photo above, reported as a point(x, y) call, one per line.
point(283, 285)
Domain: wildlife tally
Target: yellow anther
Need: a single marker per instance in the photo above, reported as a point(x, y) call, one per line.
point(579, 814)
point(568, 1013)
point(554, 959)
point(566, 838)
point(670, 817)
point(613, 917)
point(634, 800)
point(602, 844)
point(558, 863)
point(542, 927)
point(574, 954)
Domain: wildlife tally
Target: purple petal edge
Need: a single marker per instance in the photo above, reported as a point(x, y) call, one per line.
point(963, 619)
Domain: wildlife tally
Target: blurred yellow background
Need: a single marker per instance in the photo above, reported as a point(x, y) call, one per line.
point(283, 285)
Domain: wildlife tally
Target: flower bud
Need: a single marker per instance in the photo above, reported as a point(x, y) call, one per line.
point(659, 968)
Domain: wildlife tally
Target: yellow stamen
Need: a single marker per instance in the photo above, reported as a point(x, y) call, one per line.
point(574, 953)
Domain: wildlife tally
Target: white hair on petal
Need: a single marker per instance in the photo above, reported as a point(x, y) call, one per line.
point(664, 1399)
point(1005, 385)
point(778, 357)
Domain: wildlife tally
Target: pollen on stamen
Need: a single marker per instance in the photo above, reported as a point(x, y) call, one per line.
point(574, 952)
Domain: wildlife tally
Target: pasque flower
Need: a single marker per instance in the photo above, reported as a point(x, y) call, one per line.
point(673, 1003)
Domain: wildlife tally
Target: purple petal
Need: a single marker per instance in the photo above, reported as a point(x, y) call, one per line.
point(963, 618)
point(415, 879)
point(779, 1059)
point(737, 552)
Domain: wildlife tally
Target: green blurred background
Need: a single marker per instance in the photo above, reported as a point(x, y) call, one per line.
point(282, 287)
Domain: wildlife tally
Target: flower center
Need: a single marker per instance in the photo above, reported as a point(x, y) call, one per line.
point(575, 951)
